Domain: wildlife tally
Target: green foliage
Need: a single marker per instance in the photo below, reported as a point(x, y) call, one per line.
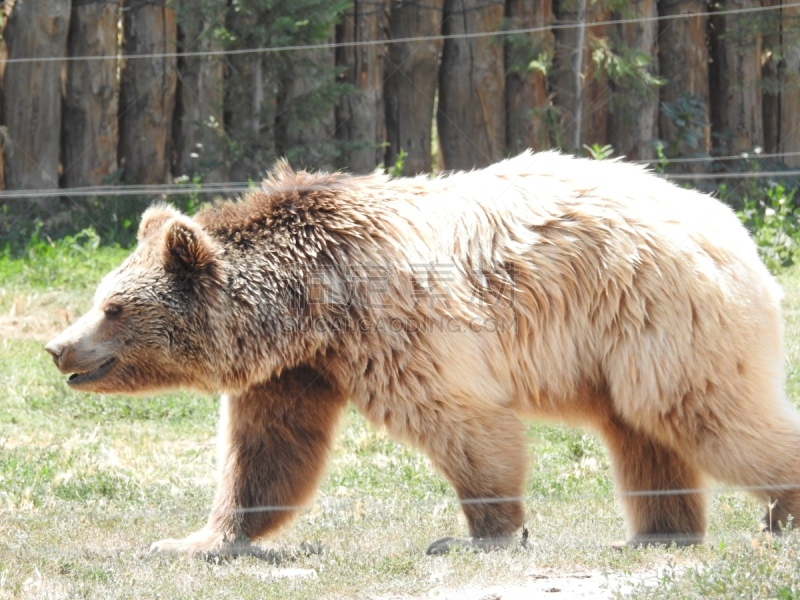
point(298, 88)
point(628, 70)
point(396, 170)
point(767, 568)
point(688, 115)
point(774, 221)
point(662, 162)
point(194, 199)
point(526, 53)
point(278, 23)
point(74, 260)
point(114, 220)
point(598, 152)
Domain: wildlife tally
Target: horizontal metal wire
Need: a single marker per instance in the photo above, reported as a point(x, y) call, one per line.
point(237, 187)
point(328, 503)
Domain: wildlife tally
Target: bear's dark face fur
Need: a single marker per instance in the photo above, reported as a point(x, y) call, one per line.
point(152, 318)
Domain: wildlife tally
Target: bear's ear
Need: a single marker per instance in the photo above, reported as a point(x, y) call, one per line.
point(154, 218)
point(190, 251)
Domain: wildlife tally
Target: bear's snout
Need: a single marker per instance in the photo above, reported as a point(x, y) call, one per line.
point(75, 355)
point(56, 349)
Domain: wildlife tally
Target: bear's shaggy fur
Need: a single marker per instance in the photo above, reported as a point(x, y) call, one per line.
point(543, 286)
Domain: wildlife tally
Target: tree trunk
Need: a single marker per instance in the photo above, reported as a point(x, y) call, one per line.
point(683, 63)
point(360, 117)
point(3, 129)
point(90, 133)
point(249, 104)
point(199, 144)
point(634, 116)
point(736, 116)
point(770, 79)
point(527, 99)
point(147, 92)
point(471, 114)
point(596, 117)
point(786, 132)
point(579, 86)
point(790, 85)
point(35, 29)
point(412, 72)
point(305, 121)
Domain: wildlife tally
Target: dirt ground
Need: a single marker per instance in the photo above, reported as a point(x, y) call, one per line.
point(34, 317)
point(540, 584)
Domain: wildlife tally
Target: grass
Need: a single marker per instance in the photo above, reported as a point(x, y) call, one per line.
point(88, 482)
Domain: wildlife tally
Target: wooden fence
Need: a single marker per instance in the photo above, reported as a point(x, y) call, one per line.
point(101, 92)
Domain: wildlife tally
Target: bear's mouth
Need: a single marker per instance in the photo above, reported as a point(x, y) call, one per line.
point(94, 374)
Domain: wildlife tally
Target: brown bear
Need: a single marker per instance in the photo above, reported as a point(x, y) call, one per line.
point(445, 309)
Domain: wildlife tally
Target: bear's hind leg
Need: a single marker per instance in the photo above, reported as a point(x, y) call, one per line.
point(485, 459)
point(760, 454)
point(275, 438)
point(650, 479)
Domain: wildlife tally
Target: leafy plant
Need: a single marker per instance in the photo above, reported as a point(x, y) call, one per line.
point(773, 219)
point(396, 170)
point(77, 260)
point(598, 152)
point(688, 115)
point(629, 70)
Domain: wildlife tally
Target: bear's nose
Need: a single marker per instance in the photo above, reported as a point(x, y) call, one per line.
point(55, 349)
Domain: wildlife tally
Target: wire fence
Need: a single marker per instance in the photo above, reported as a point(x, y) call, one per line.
point(239, 187)
point(340, 504)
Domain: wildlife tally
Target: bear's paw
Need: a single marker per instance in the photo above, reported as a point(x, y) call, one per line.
point(207, 544)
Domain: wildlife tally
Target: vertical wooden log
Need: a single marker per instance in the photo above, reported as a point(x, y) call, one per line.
point(90, 132)
point(147, 91)
point(199, 144)
point(471, 115)
point(249, 106)
point(412, 72)
point(3, 129)
point(770, 79)
point(790, 85)
point(581, 99)
point(683, 63)
point(596, 117)
point(32, 112)
point(527, 99)
point(305, 125)
point(561, 76)
point(634, 120)
point(577, 72)
point(736, 114)
point(360, 117)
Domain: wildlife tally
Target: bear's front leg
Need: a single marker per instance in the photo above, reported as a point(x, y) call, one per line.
point(275, 438)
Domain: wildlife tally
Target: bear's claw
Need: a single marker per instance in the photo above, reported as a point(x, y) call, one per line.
point(664, 539)
point(446, 544)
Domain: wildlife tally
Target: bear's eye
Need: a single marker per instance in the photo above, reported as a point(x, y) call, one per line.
point(112, 310)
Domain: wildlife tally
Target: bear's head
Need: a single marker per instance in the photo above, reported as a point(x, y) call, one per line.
point(151, 323)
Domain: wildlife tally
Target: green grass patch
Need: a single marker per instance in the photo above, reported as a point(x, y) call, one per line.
point(76, 261)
